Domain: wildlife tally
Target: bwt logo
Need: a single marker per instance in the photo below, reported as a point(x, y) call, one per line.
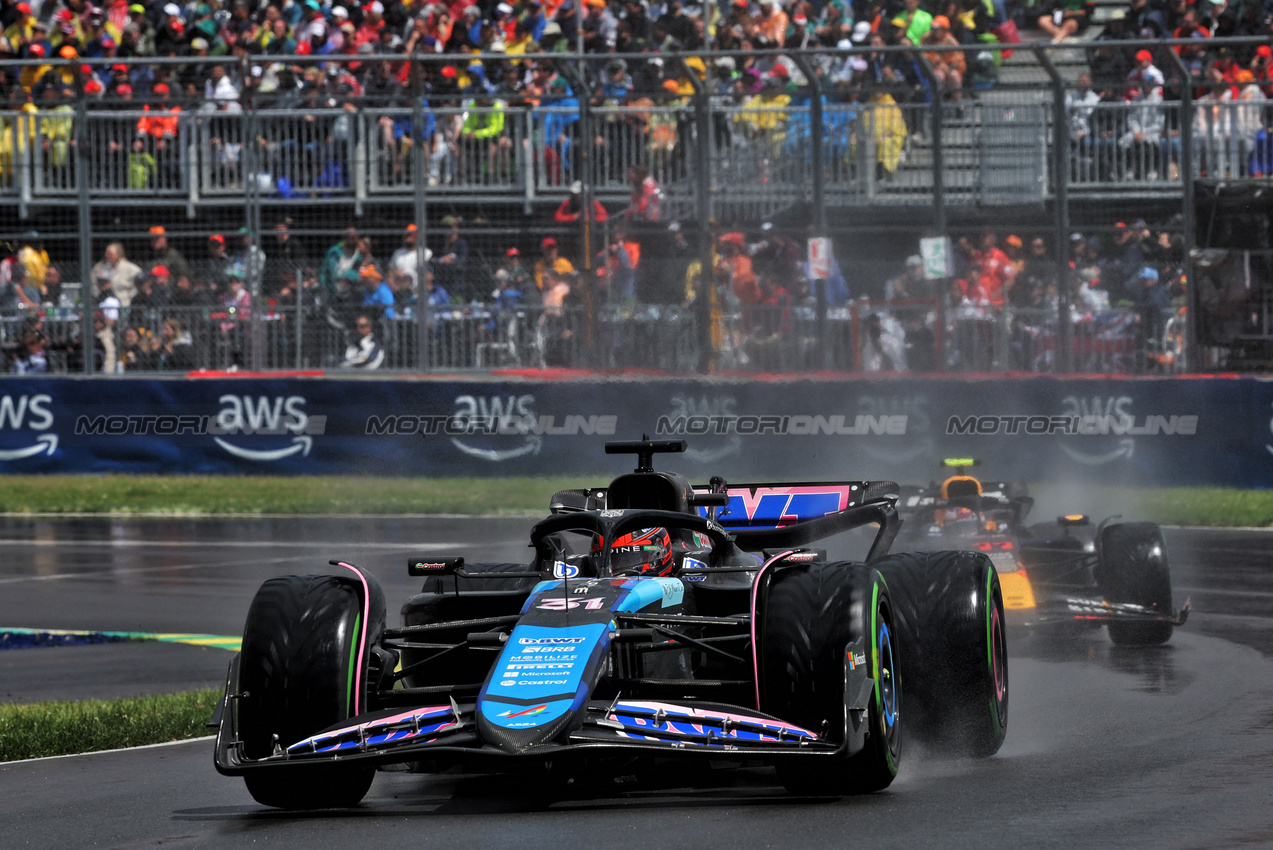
point(240, 416)
point(27, 413)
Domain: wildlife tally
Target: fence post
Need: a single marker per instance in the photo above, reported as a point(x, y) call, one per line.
point(423, 309)
point(816, 130)
point(939, 155)
point(1061, 199)
point(1186, 210)
point(252, 267)
point(88, 286)
point(706, 294)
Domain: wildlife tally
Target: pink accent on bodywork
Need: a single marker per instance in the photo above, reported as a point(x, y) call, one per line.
point(755, 652)
point(384, 721)
point(366, 616)
point(685, 712)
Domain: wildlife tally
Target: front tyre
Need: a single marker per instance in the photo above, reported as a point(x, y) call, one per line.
point(1133, 568)
point(298, 668)
point(810, 614)
point(950, 613)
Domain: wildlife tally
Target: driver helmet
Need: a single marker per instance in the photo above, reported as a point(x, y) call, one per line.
point(961, 519)
point(647, 552)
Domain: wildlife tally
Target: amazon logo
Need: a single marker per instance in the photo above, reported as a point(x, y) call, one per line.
point(277, 416)
point(27, 413)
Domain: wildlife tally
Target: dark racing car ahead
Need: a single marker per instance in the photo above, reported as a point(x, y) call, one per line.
point(1067, 572)
point(656, 621)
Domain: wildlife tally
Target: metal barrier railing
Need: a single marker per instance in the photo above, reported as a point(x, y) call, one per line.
point(760, 154)
point(1127, 143)
point(862, 337)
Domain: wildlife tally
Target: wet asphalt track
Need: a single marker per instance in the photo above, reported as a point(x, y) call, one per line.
point(1163, 747)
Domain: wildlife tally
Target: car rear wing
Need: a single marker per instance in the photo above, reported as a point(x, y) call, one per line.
point(778, 516)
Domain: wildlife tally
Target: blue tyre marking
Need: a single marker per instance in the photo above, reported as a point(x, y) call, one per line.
point(889, 696)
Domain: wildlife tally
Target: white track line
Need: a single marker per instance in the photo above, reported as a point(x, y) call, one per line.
point(5, 764)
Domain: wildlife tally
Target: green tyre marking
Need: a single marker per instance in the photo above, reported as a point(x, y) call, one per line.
point(353, 662)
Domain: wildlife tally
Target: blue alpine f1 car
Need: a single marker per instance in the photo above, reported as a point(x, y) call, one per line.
point(656, 620)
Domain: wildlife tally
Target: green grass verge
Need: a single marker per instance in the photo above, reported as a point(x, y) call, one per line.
point(41, 729)
point(1213, 507)
point(212, 494)
point(368, 496)
point(1201, 506)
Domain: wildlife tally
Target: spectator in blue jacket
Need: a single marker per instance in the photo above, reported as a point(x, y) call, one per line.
point(377, 295)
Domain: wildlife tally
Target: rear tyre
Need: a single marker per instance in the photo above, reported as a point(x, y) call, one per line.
point(809, 616)
point(1133, 568)
point(297, 666)
point(950, 618)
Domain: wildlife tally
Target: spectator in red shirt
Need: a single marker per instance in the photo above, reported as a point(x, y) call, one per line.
point(994, 270)
point(572, 207)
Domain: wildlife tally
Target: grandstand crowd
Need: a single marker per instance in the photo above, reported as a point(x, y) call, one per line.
point(255, 39)
point(273, 52)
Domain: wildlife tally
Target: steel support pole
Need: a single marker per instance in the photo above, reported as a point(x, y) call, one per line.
point(1061, 199)
point(88, 285)
point(419, 179)
point(1187, 222)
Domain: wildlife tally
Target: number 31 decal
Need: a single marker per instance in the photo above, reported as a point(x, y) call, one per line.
point(558, 604)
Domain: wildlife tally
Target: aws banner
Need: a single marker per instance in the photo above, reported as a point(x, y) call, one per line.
point(1131, 431)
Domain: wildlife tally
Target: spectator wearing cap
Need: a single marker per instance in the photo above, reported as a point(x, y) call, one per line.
point(1262, 68)
point(1150, 298)
point(948, 66)
point(120, 270)
point(551, 268)
point(519, 277)
point(162, 253)
point(1145, 70)
point(1146, 120)
point(160, 285)
point(646, 197)
point(600, 27)
point(216, 265)
point(22, 30)
point(365, 352)
point(377, 295)
point(410, 256)
point(572, 207)
point(909, 283)
point(373, 23)
point(734, 270)
point(160, 126)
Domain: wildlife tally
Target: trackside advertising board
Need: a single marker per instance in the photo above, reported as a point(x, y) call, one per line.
point(1161, 431)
